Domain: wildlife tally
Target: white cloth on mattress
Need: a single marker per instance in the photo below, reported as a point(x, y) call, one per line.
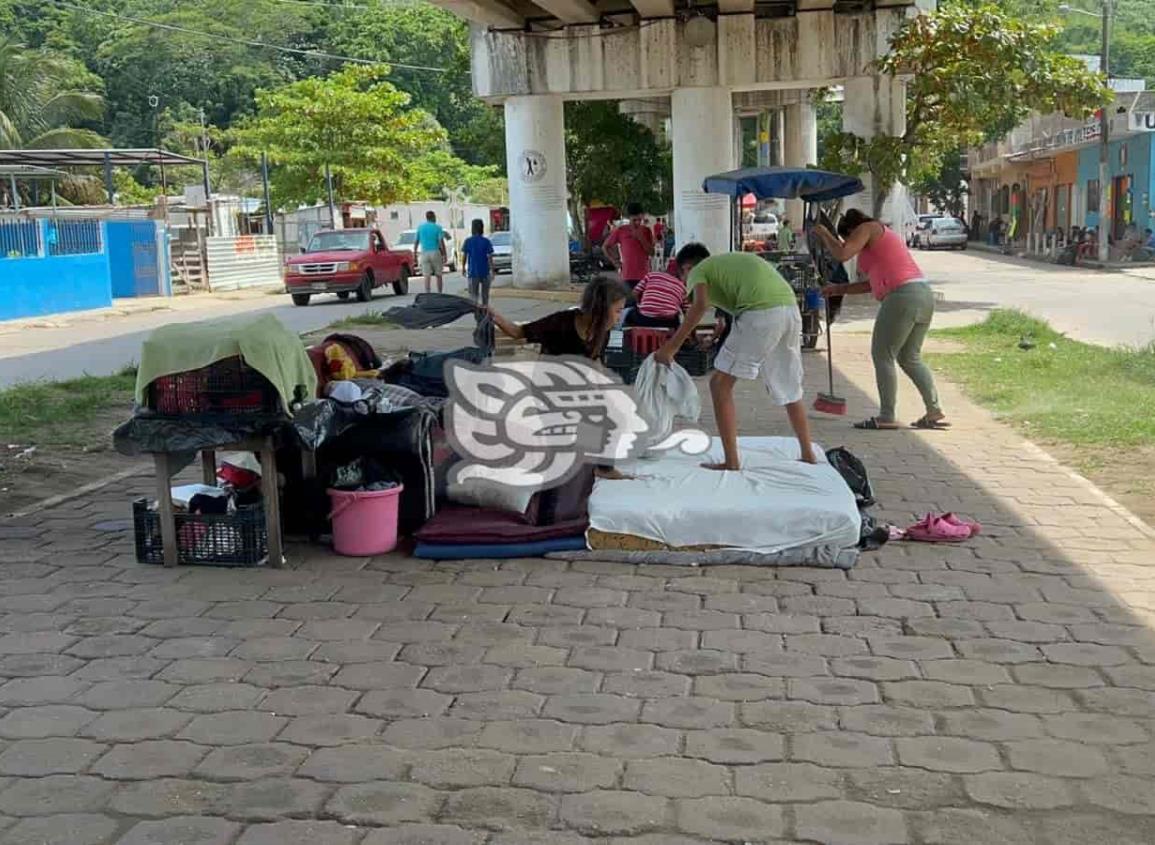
point(774, 503)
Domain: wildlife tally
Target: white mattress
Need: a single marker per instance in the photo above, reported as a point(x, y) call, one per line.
point(774, 504)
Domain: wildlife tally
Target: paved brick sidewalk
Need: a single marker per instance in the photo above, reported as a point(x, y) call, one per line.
point(998, 692)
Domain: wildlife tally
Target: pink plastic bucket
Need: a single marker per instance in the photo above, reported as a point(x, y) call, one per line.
point(364, 521)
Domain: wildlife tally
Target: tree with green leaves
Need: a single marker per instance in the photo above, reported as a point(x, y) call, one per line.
point(974, 72)
point(38, 108)
point(613, 159)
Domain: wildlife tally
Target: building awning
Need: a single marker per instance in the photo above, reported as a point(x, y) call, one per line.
point(95, 158)
point(30, 173)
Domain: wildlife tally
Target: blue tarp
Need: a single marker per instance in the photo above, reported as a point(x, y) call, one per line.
point(783, 183)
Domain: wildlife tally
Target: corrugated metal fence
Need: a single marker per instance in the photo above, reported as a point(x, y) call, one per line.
point(244, 261)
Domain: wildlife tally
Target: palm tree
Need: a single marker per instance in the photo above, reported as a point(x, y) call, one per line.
point(38, 108)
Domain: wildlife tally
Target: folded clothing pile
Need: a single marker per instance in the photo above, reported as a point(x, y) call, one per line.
point(486, 521)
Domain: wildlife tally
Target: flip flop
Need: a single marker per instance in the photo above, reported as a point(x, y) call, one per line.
point(952, 519)
point(872, 424)
point(930, 425)
point(935, 529)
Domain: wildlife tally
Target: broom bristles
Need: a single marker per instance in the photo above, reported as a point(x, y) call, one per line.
point(828, 404)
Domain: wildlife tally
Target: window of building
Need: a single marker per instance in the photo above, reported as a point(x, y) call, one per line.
point(394, 215)
point(1092, 196)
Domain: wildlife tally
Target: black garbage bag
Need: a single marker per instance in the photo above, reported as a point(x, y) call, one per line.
point(424, 372)
point(394, 447)
point(183, 437)
point(429, 310)
point(853, 472)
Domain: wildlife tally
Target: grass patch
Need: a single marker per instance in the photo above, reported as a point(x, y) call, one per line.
point(58, 412)
point(1059, 389)
point(369, 318)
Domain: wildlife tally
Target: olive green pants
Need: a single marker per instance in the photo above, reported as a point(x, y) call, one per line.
point(899, 331)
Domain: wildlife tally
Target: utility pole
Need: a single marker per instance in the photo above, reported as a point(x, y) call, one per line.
point(265, 185)
point(332, 205)
point(1105, 143)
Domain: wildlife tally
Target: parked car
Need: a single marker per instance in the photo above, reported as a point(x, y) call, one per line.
point(914, 236)
point(410, 235)
point(346, 261)
point(944, 233)
point(764, 225)
point(502, 252)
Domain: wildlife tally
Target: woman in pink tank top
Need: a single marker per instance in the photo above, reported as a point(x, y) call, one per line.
point(904, 317)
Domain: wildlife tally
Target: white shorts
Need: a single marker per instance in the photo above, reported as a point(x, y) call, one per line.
point(431, 263)
point(766, 344)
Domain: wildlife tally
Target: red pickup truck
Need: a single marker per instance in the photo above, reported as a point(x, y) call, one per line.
point(345, 261)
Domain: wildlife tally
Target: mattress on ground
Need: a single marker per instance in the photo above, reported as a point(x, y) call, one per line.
point(826, 557)
point(775, 504)
point(462, 524)
point(466, 551)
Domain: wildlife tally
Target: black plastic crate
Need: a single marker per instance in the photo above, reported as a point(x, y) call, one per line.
point(226, 387)
point(695, 361)
point(236, 539)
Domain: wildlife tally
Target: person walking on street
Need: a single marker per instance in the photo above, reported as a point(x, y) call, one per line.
point(476, 265)
point(630, 246)
point(429, 251)
point(763, 343)
point(903, 319)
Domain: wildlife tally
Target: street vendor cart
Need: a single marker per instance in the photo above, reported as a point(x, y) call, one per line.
point(806, 273)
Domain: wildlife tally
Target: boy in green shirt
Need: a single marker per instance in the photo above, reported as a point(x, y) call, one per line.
point(764, 341)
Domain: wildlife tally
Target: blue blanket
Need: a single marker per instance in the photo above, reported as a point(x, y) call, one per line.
point(538, 548)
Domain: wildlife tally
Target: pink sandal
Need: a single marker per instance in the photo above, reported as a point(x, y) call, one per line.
point(951, 518)
point(936, 529)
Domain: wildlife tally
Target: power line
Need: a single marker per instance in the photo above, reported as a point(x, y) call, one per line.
point(351, 6)
point(318, 54)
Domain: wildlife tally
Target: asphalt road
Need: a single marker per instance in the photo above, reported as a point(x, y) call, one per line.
point(1106, 308)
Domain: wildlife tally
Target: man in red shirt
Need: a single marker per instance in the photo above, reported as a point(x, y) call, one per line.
point(630, 246)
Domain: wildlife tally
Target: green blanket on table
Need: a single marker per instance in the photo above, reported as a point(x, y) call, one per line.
point(262, 342)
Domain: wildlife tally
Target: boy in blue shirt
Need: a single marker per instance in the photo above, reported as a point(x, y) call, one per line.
point(429, 250)
point(475, 258)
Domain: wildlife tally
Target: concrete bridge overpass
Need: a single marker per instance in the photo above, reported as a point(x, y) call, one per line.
point(704, 65)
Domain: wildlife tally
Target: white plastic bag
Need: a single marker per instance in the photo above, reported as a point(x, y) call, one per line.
point(664, 393)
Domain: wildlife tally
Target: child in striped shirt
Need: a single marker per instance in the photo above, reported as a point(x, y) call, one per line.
point(661, 299)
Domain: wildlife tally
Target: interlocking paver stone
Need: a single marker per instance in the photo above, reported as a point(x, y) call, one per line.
point(182, 830)
point(850, 823)
point(276, 798)
point(947, 754)
point(676, 778)
point(461, 768)
point(424, 834)
point(1056, 757)
point(150, 759)
point(592, 708)
point(383, 803)
point(247, 762)
point(135, 725)
point(787, 782)
point(576, 772)
point(354, 763)
point(1019, 790)
point(736, 745)
point(45, 721)
point(233, 728)
point(35, 757)
point(298, 833)
point(628, 740)
point(843, 749)
point(607, 811)
point(499, 808)
point(739, 819)
point(165, 797)
point(43, 796)
point(67, 829)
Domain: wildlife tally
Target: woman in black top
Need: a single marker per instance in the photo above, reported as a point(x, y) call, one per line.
point(576, 331)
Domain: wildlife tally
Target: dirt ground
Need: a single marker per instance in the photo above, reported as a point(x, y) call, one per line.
point(28, 477)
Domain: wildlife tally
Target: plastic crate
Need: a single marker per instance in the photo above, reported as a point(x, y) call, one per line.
point(236, 539)
point(226, 387)
point(695, 361)
point(644, 340)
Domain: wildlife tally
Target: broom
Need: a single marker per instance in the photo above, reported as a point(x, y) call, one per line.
point(830, 403)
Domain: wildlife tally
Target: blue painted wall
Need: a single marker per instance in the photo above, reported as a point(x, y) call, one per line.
point(132, 259)
point(33, 287)
point(1140, 167)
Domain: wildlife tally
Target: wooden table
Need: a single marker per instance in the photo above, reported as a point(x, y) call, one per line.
point(265, 449)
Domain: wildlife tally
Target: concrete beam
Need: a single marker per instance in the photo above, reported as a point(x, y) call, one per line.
point(654, 8)
point(570, 11)
point(729, 7)
point(484, 12)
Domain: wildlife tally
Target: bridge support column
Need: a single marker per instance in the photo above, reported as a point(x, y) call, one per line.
point(801, 144)
point(535, 155)
point(876, 105)
point(702, 134)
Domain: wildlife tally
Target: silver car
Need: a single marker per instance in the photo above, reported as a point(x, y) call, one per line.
point(502, 252)
point(944, 233)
